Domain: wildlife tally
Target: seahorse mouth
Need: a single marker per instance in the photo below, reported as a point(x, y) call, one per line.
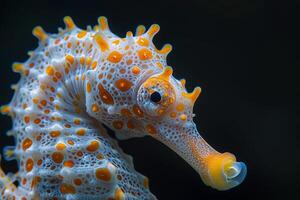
point(220, 171)
point(223, 172)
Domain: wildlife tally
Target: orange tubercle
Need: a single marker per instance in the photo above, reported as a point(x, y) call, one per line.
point(123, 84)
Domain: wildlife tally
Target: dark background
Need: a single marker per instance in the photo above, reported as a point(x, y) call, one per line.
point(244, 55)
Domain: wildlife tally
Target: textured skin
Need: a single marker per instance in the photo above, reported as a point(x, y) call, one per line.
point(74, 82)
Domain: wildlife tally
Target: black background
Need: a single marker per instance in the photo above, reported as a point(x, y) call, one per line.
point(244, 55)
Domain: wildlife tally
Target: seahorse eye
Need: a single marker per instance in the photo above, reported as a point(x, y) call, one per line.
point(155, 97)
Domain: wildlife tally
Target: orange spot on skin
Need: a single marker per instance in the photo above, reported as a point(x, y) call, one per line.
point(122, 71)
point(88, 87)
point(123, 84)
point(35, 180)
point(43, 102)
point(58, 75)
point(94, 64)
point(61, 146)
point(143, 41)
point(116, 42)
point(38, 138)
point(77, 181)
point(24, 180)
point(57, 41)
point(82, 60)
point(67, 189)
point(35, 100)
point(136, 70)
point(130, 124)
point(105, 96)
point(55, 133)
point(39, 162)
point(101, 42)
point(93, 146)
point(95, 108)
point(137, 110)
point(88, 61)
point(119, 194)
point(37, 121)
point(69, 163)
point(183, 117)
point(70, 142)
point(26, 119)
point(79, 153)
point(100, 156)
point(144, 54)
point(57, 157)
point(173, 114)
point(77, 121)
point(103, 174)
point(81, 132)
point(115, 57)
point(118, 124)
point(70, 59)
point(49, 71)
point(81, 34)
point(26, 144)
point(29, 165)
point(180, 107)
point(125, 112)
point(129, 62)
point(151, 129)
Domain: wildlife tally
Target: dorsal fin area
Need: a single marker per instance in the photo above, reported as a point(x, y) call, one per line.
point(129, 38)
point(166, 74)
point(96, 28)
point(60, 30)
point(30, 53)
point(39, 33)
point(18, 67)
point(14, 86)
point(129, 34)
point(101, 41)
point(153, 30)
point(5, 110)
point(183, 82)
point(167, 48)
point(103, 25)
point(9, 153)
point(89, 28)
point(69, 23)
point(140, 30)
point(193, 95)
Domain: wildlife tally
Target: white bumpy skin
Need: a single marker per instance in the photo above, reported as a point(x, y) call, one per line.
point(78, 80)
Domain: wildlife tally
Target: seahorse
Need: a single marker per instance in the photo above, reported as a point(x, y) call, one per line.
point(78, 83)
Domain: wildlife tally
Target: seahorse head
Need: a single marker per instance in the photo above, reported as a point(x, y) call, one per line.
point(132, 90)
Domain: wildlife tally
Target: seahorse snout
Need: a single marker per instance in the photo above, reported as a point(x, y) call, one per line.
point(223, 172)
point(220, 171)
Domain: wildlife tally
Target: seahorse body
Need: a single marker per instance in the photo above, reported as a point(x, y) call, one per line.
point(77, 80)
